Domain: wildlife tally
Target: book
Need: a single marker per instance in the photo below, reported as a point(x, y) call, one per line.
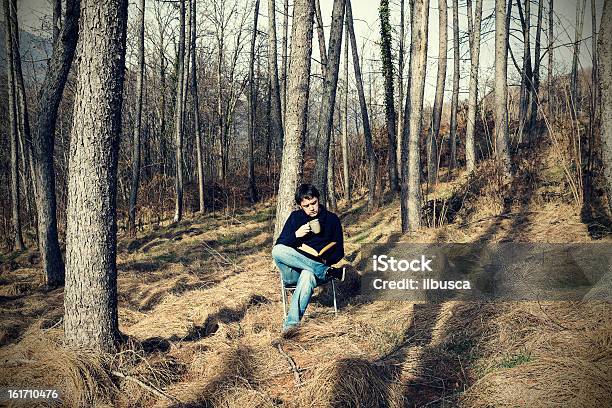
point(311, 251)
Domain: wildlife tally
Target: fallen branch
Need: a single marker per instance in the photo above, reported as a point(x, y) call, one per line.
point(296, 373)
point(147, 387)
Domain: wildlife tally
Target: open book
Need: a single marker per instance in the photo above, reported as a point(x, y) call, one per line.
point(310, 250)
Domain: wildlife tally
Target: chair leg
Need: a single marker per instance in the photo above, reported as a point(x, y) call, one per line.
point(284, 295)
point(334, 293)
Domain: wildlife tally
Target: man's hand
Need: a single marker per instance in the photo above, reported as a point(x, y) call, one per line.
point(303, 230)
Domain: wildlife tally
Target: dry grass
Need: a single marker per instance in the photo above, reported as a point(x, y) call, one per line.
point(200, 305)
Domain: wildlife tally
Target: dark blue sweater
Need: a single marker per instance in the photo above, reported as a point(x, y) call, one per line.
point(331, 231)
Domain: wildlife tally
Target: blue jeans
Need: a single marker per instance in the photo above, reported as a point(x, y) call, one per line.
point(305, 273)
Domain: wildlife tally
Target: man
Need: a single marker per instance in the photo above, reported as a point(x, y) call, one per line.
point(310, 242)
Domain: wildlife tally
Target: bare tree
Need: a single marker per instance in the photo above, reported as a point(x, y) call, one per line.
point(604, 55)
point(251, 189)
point(580, 6)
point(196, 107)
point(549, 77)
point(178, 117)
point(535, 99)
point(57, 19)
point(367, 133)
point(455, 95)
point(474, 29)
point(297, 108)
point(90, 296)
point(44, 141)
point(329, 97)
point(284, 37)
point(400, 90)
point(432, 144)
point(411, 200)
point(387, 70)
point(527, 71)
point(138, 123)
point(344, 142)
point(12, 128)
point(276, 113)
point(501, 88)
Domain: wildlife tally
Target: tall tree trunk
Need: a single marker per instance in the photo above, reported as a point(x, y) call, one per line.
point(178, 118)
point(251, 188)
point(22, 108)
point(331, 169)
point(297, 109)
point(387, 70)
point(400, 92)
point(580, 6)
point(527, 74)
point(57, 19)
point(604, 56)
point(549, 76)
point(474, 29)
point(12, 128)
point(138, 123)
point(321, 36)
point(284, 36)
point(432, 144)
point(345, 148)
point(196, 108)
point(276, 114)
point(455, 95)
point(44, 141)
point(329, 97)
point(501, 88)
point(418, 66)
point(367, 133)
point(90, 296)
point(535, 93)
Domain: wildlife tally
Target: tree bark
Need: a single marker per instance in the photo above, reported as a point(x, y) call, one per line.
point(527, 73)
point(345, 148)
point(252, 188)
point(387, 70)
point(367, 133)
point(329, 98)
point(44, 140)
point(549, 76)
point(22, 108)
point(580, 6)
point(12, 128)
point(432, 139)
point(474, 29)
point(276, 114)
point(535, 93)
point(501, 88)
point(321, 36)
point(90, 296)
point(604, 56)
point(138, 124)
point(178, 118)
point(196, 108)
point(57, 19)
point(455, 95)
point(297, 109)
point(418, 66)
point(284, 36)
point(400, 97)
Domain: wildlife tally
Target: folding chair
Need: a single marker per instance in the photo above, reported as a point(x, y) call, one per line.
point(286, 289)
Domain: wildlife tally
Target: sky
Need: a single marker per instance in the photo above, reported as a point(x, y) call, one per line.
point(33, 14)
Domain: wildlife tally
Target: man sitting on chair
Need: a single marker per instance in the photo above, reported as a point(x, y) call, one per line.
point(310, 242)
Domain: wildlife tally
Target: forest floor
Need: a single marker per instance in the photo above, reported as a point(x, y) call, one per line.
point(200, 305)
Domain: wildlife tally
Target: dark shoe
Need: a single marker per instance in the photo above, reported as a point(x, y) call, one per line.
point(336, 273)
point(289, 332)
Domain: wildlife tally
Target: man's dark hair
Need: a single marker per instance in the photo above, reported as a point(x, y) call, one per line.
point(305, 192)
